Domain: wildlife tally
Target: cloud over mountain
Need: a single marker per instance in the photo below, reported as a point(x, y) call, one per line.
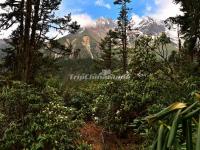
point(84, 20)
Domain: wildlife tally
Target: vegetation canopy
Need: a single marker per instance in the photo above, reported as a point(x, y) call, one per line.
point(62, 75)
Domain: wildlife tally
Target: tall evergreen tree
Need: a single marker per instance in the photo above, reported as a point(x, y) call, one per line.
point(107, 45)
point(33, 19)
point(123, 27)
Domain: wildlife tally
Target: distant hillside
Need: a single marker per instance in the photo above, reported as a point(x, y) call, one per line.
point(87, 39)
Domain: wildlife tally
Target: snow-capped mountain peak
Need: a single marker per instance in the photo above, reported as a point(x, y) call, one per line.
point(146, 21)
point(151, 26)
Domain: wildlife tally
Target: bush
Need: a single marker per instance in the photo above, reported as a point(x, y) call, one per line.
point(81, 95)
point(118, 103)
point(82, 101)
point(36, 120)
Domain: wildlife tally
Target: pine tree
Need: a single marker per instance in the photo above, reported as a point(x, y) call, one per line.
point(33, 19)
point(107, 45)
point(123, 27)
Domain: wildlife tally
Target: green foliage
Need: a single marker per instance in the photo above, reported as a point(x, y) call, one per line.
point(143, 57)
point(82, 101)
point(108, 47)
point(77, 66)
point(36, 120)
point(178, 127)
point(1, 117)
point(81, 95)
point(119, 103)
point(122, 29)
point(84, 147)
point(47, 116)
point(150, 55)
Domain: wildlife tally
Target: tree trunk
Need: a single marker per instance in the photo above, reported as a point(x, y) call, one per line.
point(19, 55)
point(27, 47)
point(110, 54)
point(124, 38)
point(33, 38)
point(124, 51)
point(179, 40)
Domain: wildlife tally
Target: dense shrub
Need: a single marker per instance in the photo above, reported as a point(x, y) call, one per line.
point(81, 95)
point(36, 119)
point(82, 101)
point(119, 103)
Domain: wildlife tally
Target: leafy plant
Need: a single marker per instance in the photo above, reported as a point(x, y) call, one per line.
point(118, 103)
point(36, 120)
point(178, 127)
point(143, 58)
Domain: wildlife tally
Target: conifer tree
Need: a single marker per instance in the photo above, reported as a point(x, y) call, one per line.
point(33, 19)
point(123, 27)
point(107, 45)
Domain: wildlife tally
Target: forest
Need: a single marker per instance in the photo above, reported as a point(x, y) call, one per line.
point(112, 85)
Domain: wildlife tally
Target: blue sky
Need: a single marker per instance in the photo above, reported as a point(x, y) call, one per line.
point(105, 8)
point(88, 10)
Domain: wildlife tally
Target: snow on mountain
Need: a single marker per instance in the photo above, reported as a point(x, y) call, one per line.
point(153, 27)
point(150, 26)
point(147, 26)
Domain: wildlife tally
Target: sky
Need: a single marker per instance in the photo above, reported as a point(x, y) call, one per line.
point(85, 12)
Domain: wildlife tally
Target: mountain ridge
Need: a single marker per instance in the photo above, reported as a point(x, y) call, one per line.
point(88, 38)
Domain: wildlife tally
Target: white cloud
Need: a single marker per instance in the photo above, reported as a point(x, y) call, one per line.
point(84, 20)
point(166, 8)
point(102, 3)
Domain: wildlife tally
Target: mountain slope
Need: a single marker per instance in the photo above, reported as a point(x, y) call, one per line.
point(87, 39)
point(149, 26)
